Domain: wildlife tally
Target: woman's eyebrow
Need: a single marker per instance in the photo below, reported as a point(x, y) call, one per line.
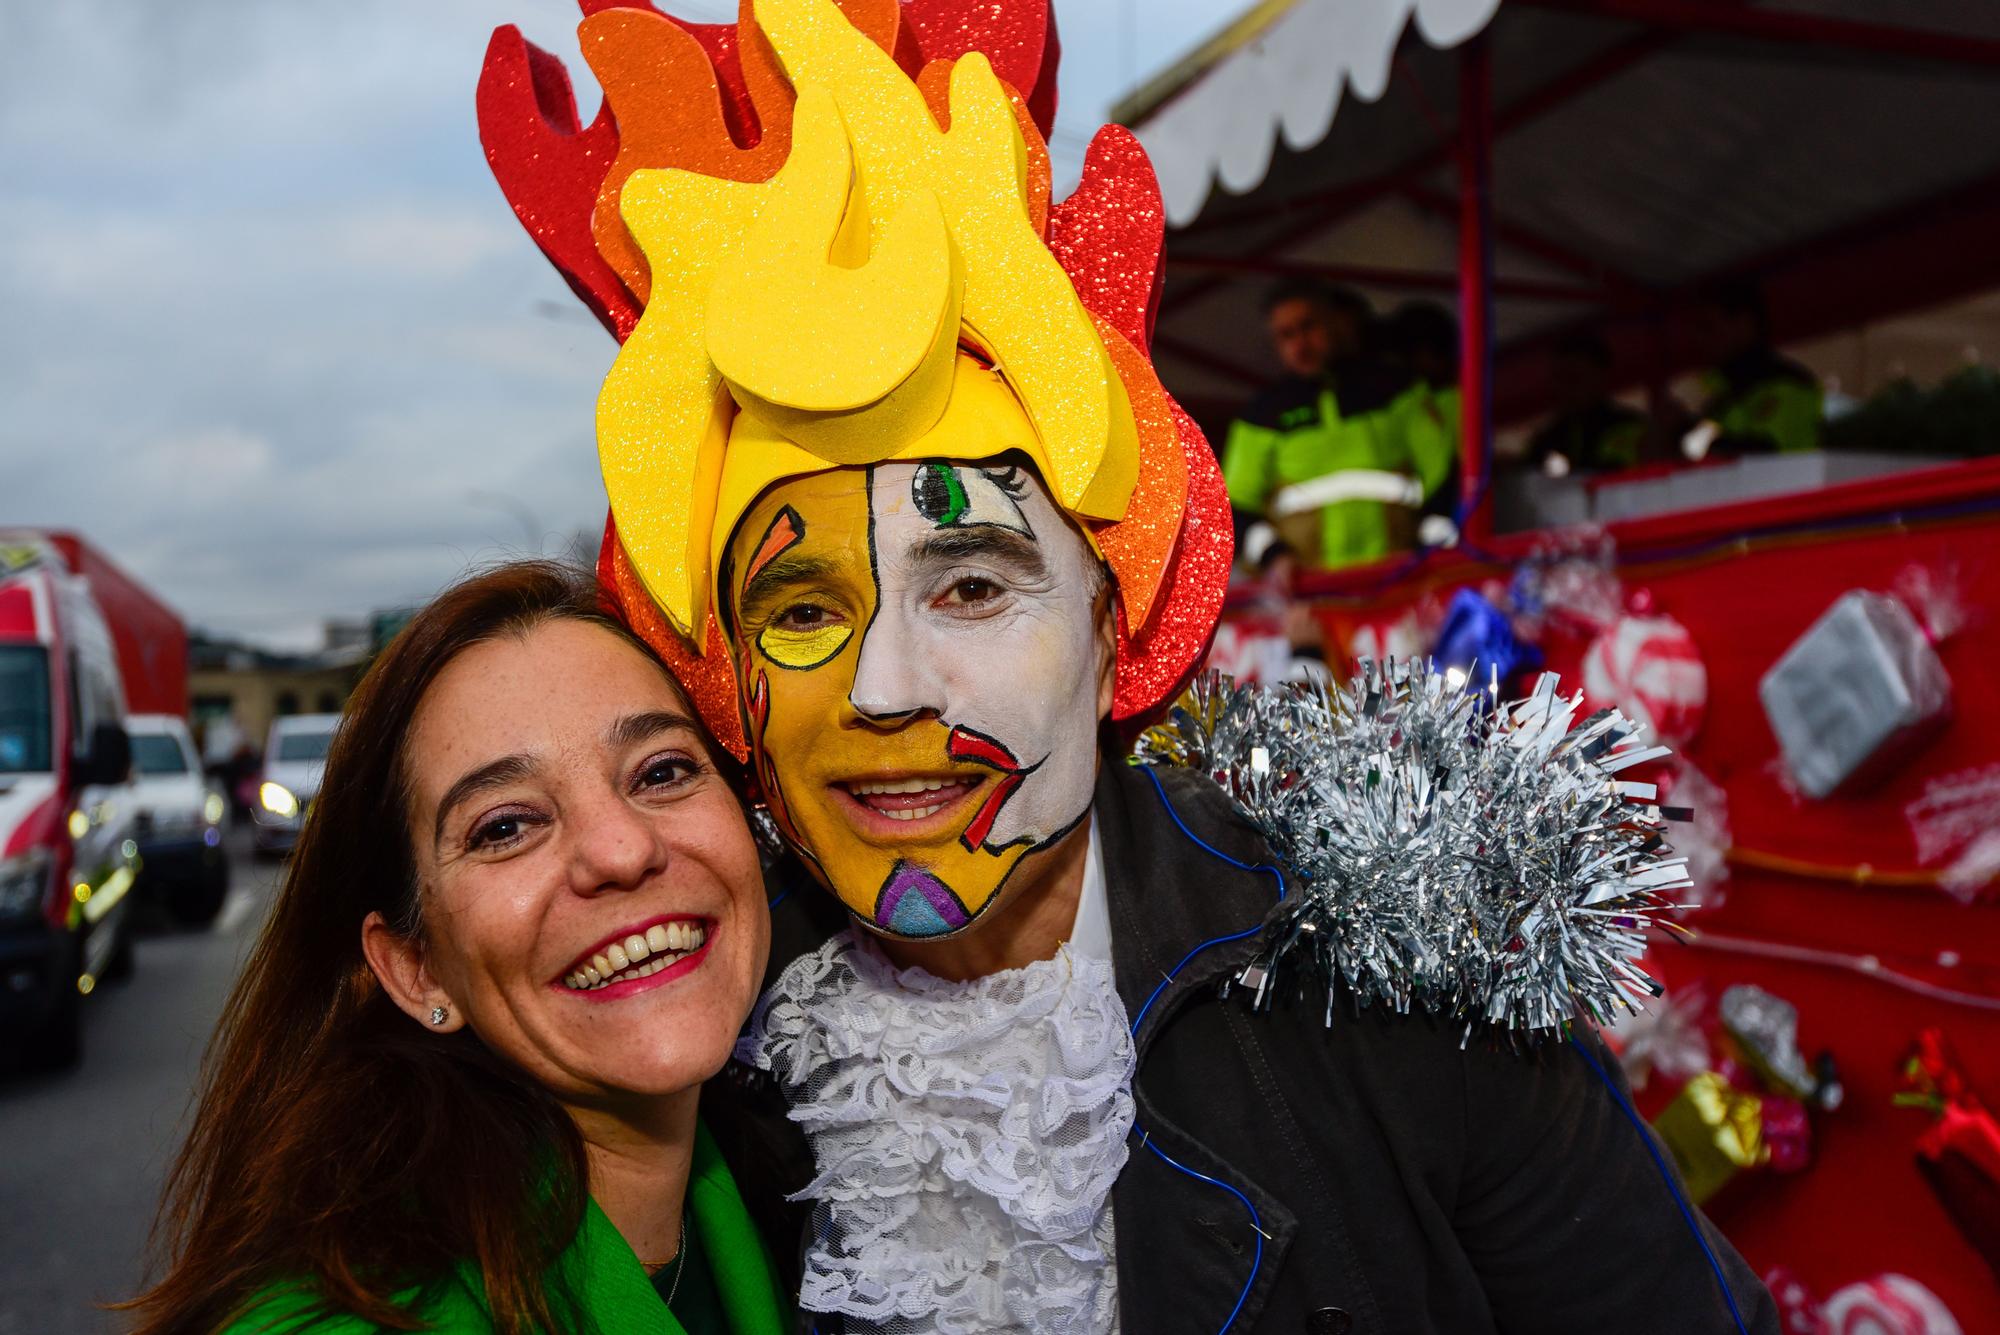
point(634, 728)
point(493, 774)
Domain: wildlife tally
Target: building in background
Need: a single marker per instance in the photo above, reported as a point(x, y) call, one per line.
point(235, 690)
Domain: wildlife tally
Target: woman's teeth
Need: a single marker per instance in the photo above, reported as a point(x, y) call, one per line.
point(637, 956)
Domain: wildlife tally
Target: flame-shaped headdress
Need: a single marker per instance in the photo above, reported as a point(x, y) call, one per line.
point(825, 237)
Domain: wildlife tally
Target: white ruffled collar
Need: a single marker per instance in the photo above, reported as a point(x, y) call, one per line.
point(966, 1137)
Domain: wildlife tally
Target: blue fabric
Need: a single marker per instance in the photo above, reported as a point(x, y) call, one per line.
point(1477, 638)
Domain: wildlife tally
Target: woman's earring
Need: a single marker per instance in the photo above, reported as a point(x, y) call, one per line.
point(438, 1014)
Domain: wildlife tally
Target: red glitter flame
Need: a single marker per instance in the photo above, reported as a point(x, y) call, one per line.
point(1109, 233)
point(548, 166)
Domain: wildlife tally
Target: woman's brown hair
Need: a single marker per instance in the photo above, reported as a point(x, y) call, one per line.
point(336, 1145)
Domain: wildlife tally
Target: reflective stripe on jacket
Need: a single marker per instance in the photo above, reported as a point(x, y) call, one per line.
point(1300, 429)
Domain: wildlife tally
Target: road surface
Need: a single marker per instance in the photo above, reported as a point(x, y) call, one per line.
point(81, 1154)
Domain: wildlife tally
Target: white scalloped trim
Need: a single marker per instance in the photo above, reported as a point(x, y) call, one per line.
point(1289, 81)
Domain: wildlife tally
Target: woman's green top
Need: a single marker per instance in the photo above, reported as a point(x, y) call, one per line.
point(613, 1292)
point(687, 1283)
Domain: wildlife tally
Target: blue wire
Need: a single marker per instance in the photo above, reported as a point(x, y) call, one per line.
point(1256, 1222)
point(779, 898)
point(1203, 844)
point(1168, 981)
point(1212, 851)
point(1667, 1176)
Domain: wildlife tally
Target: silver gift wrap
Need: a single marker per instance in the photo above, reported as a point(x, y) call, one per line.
point(1855, 695)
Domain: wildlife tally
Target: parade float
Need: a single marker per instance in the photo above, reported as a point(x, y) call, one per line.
point(1813, 633)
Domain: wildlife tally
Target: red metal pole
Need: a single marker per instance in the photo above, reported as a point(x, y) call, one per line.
point(1475, 286)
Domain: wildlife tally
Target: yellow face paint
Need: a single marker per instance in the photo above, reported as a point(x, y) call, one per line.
point(797, 637)
point(799, 648)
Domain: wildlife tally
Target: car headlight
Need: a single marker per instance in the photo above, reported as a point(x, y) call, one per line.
point(278, 800)
point(23, 881)
point(213, 808)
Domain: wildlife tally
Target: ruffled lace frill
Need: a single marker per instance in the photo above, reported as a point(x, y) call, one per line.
point(966, 1136)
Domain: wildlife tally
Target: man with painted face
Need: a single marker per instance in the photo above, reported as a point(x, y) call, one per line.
point(928, 653)
point(896, 489)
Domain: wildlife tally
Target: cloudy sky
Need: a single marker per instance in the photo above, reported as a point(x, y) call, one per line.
point(268, 332)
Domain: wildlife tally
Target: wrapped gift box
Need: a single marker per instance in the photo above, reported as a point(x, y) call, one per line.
point(1855, 694)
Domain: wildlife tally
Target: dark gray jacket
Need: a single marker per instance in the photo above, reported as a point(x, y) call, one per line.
point(1401, 1184)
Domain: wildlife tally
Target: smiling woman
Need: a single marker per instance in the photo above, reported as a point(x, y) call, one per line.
point(457, 1085)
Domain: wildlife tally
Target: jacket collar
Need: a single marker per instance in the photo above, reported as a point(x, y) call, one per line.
point(1150, 861)
point(1167, 896)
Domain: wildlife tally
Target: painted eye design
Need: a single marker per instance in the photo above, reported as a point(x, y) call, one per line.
point(938, 494)
point(804, 635)
point(804, 617)
point(953, 497)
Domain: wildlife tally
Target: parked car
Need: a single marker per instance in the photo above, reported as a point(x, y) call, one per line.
point(294, 758)
point(68, 858)
point(179, 821)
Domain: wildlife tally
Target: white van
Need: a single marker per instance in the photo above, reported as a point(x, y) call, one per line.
point(182, 863)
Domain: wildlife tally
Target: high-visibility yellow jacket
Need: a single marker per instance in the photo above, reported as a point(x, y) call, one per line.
point(1763, 403)
point(1300, 429)
point(1431, 417)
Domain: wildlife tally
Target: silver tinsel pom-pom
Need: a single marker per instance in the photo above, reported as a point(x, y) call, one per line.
point(1476, 860)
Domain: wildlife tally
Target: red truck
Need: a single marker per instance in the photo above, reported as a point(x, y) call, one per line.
point(151, 640)
point(82, 647)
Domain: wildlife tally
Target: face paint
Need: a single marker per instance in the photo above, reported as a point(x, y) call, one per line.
point(918, 646)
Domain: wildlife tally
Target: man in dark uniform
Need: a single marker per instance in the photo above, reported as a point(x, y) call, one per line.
point(1591, 431)
point(1756, 401)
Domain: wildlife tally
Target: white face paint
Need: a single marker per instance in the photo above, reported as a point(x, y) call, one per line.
point(1015, 662)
